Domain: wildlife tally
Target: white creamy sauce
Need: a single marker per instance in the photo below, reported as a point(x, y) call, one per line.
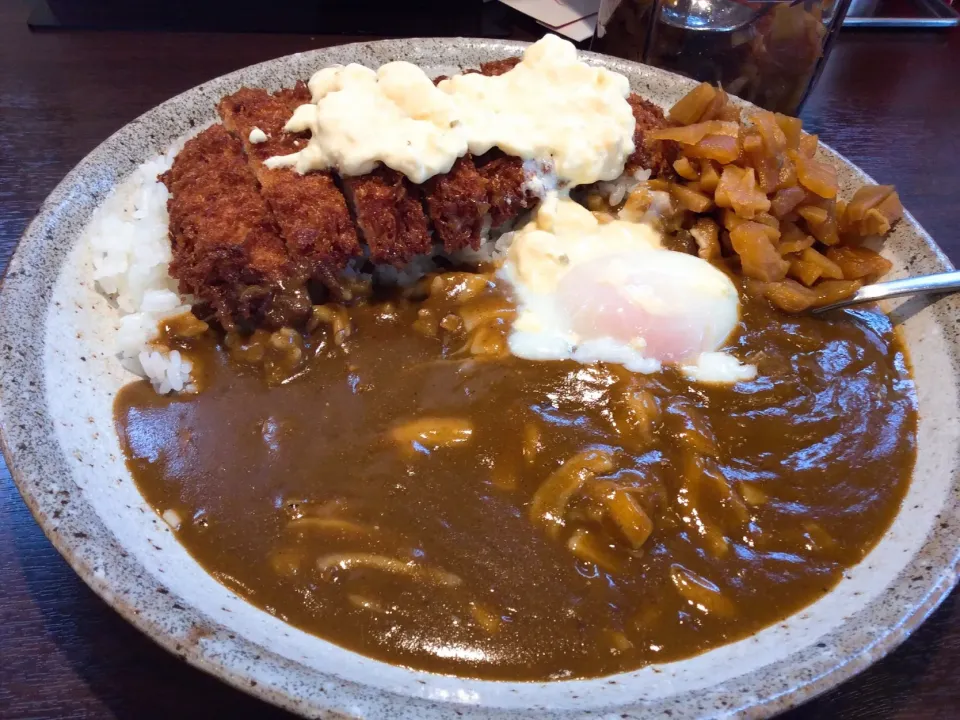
point(551, 108)
point(258, 136)
point(718, 367)
point(608, 292)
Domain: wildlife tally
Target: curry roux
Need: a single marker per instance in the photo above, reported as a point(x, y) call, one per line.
point(318, 501)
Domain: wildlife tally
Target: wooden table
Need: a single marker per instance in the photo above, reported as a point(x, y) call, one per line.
point(889, 101)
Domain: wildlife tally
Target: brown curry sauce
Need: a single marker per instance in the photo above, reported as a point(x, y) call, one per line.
point(760, 494)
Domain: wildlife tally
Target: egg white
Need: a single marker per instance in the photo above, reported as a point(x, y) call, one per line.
point(563, 261)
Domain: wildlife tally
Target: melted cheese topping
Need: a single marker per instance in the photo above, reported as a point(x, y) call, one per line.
point(551, 107)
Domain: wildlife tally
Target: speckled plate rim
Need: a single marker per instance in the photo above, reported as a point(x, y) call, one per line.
point(26, 433)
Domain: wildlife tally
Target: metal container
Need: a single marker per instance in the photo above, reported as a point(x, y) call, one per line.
point(770, 53)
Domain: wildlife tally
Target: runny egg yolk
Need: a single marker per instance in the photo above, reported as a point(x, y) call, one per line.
point(608, 292)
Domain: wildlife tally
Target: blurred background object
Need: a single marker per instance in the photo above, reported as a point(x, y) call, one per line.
point(902, 14)
point(384, 18)
point(768, 52)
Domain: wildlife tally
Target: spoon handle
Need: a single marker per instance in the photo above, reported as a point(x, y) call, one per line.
point(922, 285)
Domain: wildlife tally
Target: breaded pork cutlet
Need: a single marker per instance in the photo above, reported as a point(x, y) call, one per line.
point(506, 184)
point(478, 191)
point(657, 156)
point(507, 193)
point(386, 205)
point(223, 235)
point(389, 215)
point(499, 67)
point(457, 203)
point(310, 209)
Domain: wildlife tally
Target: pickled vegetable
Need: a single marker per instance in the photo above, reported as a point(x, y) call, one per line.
point(709, 176)
point(686, 170)
point(831, 291)
point(691, 106)
point(707, 234)
point(752, 197)
point(789, 295)
point(859, 262)
point(786, 200)
point(816, 176)
point(722, 148)
point(828, 268)
point(792, 129)
point(758, 256)
point(693, 134)
point(738, 190)
point(808, 144)
point(690, 199)
point(806, 272)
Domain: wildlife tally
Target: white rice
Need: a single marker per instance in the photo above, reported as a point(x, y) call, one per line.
point(131, 258)
point(616, 191)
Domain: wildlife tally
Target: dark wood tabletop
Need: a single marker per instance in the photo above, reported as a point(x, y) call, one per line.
point(889, 101)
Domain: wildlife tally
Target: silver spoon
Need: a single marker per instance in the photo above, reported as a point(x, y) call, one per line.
point(947, 282)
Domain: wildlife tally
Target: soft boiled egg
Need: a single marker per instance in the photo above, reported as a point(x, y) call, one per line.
point(595, 291)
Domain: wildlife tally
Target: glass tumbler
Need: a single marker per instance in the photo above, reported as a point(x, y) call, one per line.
point(770, 52)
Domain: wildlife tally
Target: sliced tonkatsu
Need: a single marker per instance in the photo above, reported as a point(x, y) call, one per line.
point(244, 233)
point(479, 192)
point(310, 209)
point(657, 157)
point(457, 203)
point(385, 204)
point(227, 250)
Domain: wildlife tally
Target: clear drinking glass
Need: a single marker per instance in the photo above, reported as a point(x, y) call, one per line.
point(770, 53)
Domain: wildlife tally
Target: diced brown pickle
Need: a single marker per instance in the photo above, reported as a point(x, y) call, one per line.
point(864, 199)
point(685, 169)
point(707, 234)
point(690, 199)
point(738, 190)
point(722, 148)
point(787, 247)
point(691, 106)
point(828, 268)
point(806, 272)
point(789, 295)
point(765, 218)
point(786, 200)
point(818, 177)
point(859, 262)
point(767, 168)
point(709, 176)
point(752, 143)
point(716, 107)
point(787, 176)
point(774, 139)
point(693, 134)
point(792, 129)
point(808, 144)
point(813, 215)
point(758, 256)
point(831, 291)
point(825, 232)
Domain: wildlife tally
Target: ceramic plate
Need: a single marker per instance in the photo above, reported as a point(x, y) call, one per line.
point(58, 378)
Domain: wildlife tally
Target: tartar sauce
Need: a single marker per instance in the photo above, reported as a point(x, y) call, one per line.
point(551, 107)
